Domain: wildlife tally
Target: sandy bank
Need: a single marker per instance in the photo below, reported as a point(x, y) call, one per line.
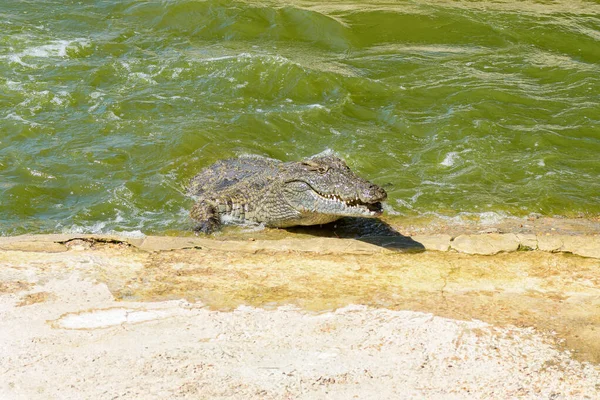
point(84, 316)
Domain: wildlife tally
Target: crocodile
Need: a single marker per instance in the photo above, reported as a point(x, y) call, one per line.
point(254, 189)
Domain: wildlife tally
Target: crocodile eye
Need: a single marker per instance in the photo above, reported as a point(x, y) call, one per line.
point(312, 166)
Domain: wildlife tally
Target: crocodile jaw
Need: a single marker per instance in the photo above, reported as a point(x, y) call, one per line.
point(335, 205)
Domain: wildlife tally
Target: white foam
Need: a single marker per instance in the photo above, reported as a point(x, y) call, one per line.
point(390, 210)
point(119, 217)
point(483, 218)
point(57, 100)
point(414, 198)
point(96, 228)
point(93, 107)
point(137, 234)
point(126, 65)
point(441, 184)
point(209, 59)
point(144, 77)
point(325, 153)
point(16, 117)
point(176, 72)
point(37, 173)
point(57, 48)
point(490, 217)
point(17, 59)
point(404, 203)
point(450, 158)
point(111, 116)
point(100, 228)
point(14, 85)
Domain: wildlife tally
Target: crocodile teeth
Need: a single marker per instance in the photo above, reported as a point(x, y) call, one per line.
point(352, 203)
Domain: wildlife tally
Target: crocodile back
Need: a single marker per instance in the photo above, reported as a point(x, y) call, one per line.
point(225, 174)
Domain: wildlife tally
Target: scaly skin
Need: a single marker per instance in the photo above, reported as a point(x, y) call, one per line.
point(279, 194)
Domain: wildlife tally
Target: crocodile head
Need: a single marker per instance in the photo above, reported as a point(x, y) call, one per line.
point(324, 189)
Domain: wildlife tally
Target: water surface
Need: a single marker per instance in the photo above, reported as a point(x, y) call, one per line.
point(107, 108)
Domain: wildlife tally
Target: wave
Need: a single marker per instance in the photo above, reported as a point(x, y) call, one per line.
point(247, 21)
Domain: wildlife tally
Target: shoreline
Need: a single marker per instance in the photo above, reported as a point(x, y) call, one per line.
point(555, 235)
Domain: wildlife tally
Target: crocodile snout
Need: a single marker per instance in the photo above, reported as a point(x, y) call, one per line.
point(374, 193)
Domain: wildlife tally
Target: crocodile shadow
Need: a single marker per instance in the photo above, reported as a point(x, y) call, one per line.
point(369, 230)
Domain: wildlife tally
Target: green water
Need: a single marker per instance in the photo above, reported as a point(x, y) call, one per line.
point(107, 108)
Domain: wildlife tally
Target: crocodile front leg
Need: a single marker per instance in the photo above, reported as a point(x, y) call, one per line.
point(206, 213)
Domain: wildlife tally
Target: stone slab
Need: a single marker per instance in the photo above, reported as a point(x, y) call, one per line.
point(483, 244)
point(527, 241)
point(486, 244)
point(434, 242)
point(34, 246)
point(551, 243)
point(585, 246)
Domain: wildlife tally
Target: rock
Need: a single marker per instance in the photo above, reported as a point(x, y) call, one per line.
point(486, 244)
point(434, 242)
point(549, 243)
point(34, 246)
point(527, 241)
point(162, 243)
point(585, 246)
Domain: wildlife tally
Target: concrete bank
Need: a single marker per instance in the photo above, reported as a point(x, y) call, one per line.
point(88, 316)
